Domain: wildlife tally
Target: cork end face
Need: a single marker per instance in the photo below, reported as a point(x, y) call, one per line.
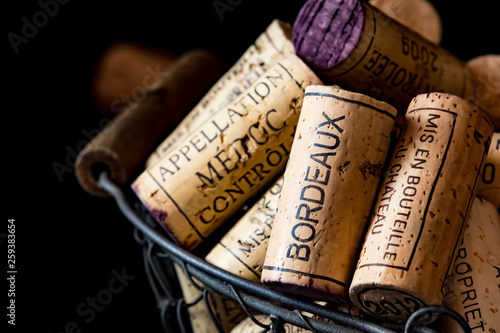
point(485, 72)
point(89, 165)
point(325, 32)
point(386, 302)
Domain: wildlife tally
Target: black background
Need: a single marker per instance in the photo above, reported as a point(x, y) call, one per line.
point(67, 241)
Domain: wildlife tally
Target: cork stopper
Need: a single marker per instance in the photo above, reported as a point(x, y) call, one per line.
point(359, 47)
point(125, 142)
point(339, 149)
point(422, 206)
point(419, 15)
point(231, 157)
point(473, 285)
point(489, 184)
point(326, 32)
point(485, 72)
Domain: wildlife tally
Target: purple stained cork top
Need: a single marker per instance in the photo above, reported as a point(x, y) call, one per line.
point(327, 31)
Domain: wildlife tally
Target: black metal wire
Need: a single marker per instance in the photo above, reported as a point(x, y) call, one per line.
point(257, 296)
point(222, 275)
point(245, 308)
point(413, 320)
point(211, 311)
point(305, 321)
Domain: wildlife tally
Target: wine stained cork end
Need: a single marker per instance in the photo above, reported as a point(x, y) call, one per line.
point(336, 294)
point(326, 32)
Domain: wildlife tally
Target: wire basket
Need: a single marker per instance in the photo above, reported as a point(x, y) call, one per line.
point(160, 254)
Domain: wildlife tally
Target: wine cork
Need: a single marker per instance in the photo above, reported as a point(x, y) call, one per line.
point(473, 285)
point(419, 15)
point(331, 180)
point(422, 206)
point(485, 72)
point(208, 176)
point(268, 48)
point(360, 48)
point(124, 144)
point(489, 185)
point(243, 248)
point(227, 312)
point(124, 73)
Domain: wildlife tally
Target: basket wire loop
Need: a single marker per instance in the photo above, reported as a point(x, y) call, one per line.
point(178, 312)
point(190, 277)
point(211, 312)
point(414, 318)
point(245, 308)
point(159, 268)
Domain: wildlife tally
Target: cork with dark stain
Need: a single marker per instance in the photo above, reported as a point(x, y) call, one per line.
point(368, 168)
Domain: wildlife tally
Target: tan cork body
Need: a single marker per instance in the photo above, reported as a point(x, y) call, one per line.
point(489, 186)
point(331, 180)
point(473, 285)
point(269, 47)
point(418, 15)
point(242, 250)
point(422, 206)
point(209, 175)
point(393, 63)
point(485, 73)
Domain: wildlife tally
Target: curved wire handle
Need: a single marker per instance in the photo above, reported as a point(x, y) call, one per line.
point(256, 295)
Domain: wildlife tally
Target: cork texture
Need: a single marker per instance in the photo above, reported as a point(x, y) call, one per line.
point(419, 15)
point(422, 206)
point(485, 73)
point(267, 50)
point(489, 185)
point(388, 61)
point(330, 183)
point(473, 285)
point(208, 177)
point(243, 249)
point(123, 145)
